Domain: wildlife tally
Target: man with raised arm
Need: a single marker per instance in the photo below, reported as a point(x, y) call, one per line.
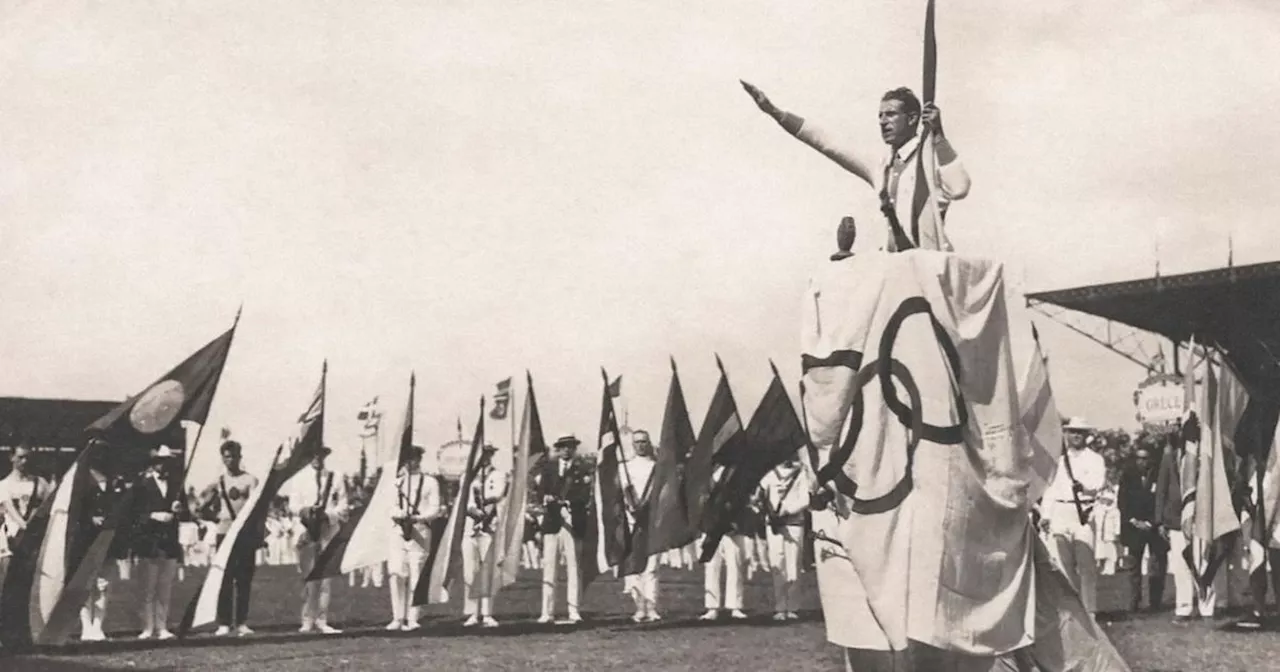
point(904, 199)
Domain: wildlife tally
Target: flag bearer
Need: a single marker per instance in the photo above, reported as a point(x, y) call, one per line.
point(488, 488)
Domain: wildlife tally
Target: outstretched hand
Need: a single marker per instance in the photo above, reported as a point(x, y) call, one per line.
point(762, 101)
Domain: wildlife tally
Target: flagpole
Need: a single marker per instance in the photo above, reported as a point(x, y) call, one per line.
point(216, 380)
point(608, 399)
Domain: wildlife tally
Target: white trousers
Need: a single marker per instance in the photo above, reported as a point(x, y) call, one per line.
point(727, 561)
point(157, 585)
point(405, 568)
point(554, 546)
point(315, 594)
point(1071, 548)
point(643, 588)
point(1188, 598)
point(784, 565)
point(474, 550)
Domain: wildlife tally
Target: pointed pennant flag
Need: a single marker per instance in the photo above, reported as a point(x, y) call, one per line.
point(615, 388)
point(774, 434)
point(446, 548)
point(249, 527)
point(370, 418)
point(501, 400)
point(721, 435)
point(669, 524)
point(608, 537)
point(1040, 418)
point(184, 393)
point(361, 540)
point(502, 563)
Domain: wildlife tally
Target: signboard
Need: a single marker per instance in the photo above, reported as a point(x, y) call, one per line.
point(1160, 400)
point(451, 459)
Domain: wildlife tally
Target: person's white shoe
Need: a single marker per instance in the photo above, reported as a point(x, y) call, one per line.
point(90, 636)
point(780, 616)
point(145, 634)
point(737, 613)
point(306, 628)
point(165, 634)
point(394, 626)
point(638, 617)
point(793, 616)
point(471, 620)
point(411, 626)
point(653, 617)
point(710, 615)
point(544, 619)
point(243, 631)
point(575, 618)
point(489, 622)
point(222, 631)
point(328, 629)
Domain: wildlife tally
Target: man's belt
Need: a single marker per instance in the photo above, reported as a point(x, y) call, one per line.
point(1083, 502)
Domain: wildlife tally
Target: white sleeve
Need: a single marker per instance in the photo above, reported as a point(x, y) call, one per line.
point(844, 155)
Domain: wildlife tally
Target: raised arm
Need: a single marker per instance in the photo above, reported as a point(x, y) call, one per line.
point(811, 135)
point(950, 174)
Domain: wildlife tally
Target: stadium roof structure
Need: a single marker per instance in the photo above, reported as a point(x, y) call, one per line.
point(1236, 308)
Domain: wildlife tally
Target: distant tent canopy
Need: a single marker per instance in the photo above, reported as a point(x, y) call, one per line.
point(1236, 308)
point(53, 428)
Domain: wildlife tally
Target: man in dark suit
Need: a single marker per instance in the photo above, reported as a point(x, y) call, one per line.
point(159, 504)
point(562, 487)
point(1140, 529)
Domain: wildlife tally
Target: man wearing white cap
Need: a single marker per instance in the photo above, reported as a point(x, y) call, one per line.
point(560, 486)
point(417, 504)
point(487, 489)
point(320, 500)
point(1081, 474)
point(156, 540)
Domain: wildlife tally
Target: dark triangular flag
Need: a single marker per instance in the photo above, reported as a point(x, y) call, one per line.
point(669, 525)
point(184, 393)
point(721, 435)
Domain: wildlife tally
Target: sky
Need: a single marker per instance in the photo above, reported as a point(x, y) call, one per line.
point(472, 190)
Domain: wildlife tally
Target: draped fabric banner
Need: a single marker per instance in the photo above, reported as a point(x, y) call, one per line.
point(908, 356)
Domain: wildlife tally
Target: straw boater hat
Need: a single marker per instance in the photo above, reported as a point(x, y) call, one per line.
point(1077, 424)
point(567, 440)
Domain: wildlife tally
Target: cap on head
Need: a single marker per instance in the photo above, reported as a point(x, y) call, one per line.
point(230, 448)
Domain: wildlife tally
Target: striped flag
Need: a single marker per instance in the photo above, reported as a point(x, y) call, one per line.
point(608, 537)
point(247, 530)
point(502, 564)
point(361, 541)
point(1222, 400)
point(1040, 418)
point(721, 434)
point(446, 549)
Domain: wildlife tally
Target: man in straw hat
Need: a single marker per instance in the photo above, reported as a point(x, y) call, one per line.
point(417, 504)
point(487, 489)
point(319, 499)
point(561, 487)
point(155, 542)
point(1068, 510)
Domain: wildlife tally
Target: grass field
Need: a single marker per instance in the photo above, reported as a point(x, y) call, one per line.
point(606, 641)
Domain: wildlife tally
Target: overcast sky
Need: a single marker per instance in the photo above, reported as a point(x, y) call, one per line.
point(469, 189)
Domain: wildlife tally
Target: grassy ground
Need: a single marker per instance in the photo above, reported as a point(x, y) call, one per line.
point(607, 641)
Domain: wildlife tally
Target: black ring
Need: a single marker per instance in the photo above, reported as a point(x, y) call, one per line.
point(953, 434)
